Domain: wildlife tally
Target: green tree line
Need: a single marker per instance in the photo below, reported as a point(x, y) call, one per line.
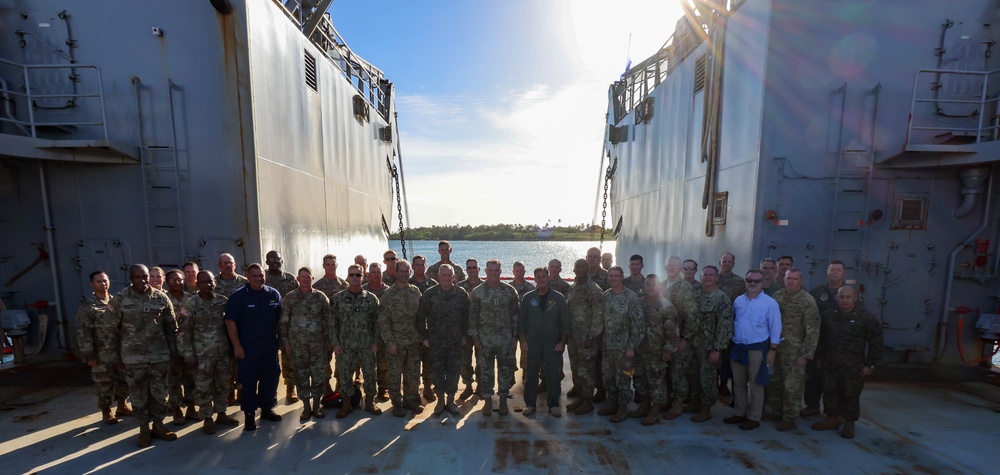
point(506, 232)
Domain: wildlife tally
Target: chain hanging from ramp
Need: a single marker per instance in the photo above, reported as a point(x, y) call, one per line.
point(608, 175)
point(394, 171)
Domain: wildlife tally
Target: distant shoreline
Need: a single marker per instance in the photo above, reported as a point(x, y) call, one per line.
point(505, 232)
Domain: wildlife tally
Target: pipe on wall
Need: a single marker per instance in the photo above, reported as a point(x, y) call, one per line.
point(972, 186)
point(53, 261)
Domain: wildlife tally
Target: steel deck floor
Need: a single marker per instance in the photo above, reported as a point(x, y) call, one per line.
point(48, 423)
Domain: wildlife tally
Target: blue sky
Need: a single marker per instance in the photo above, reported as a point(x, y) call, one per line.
point(501, 103)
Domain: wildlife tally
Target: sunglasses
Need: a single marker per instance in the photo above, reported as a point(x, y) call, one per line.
point(690, 268)
point(754, 281)
point(354, 275)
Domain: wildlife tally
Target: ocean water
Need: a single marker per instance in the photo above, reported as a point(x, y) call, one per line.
point(532, 253)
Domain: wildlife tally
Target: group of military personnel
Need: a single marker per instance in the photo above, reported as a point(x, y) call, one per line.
point(207, 340)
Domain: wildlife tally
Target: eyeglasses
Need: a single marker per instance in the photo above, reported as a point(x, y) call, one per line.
point(689, 268)
point(354, 275)
point(754, 281)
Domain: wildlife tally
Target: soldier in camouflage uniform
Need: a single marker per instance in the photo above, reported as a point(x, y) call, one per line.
point(784, 264)
point(654, 352)
point(522, 287)
point(708, 328)
point(377, 286)
point(397, 322)
point(228, 281)
point(92, 324)
point(470, 355)
point(690, 269)
point(826, 299)
point(142, 336)
point(493, 313)
point(595, 272)
point(769, 268)
point(635, 280)
point(283, 282)
point(586, 305)
point(607, 260)
point(852, 347)
point(304, 337)
point(624, 329)
point(423, 282)
point(203, 342)
point(681, 294)
point(180, 384)
point(443, 321)
point(556, 282)
point(389, 259)
point(330, 284)
point(732, 285)
point(444, 249)
point(353, 330)
point(800, 324)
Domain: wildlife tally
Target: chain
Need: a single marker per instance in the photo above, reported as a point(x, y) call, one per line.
point(604, 212)
point(399, 205)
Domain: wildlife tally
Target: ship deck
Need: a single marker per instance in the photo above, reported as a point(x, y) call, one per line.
point(909, 424)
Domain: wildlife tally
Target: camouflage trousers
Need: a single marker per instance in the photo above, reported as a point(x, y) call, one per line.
point(583, 365)
point(147, 387)
point(842, 385)
point(616, 383)
point(706, 373)
point(345, 369)
point(680, 367)
point(382, 367)
point(425, 365)
point(784, 392)
point(405, 366)
point(469, 354)
point(445, 363)
point(180, 385)
point(309, 359)
point(287, 369)
point(505, 363)
point(109, 384)
point(211, 381)
point(650, 377)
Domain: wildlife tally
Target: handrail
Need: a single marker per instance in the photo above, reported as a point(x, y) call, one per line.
point(32, 123)
point(985, 129)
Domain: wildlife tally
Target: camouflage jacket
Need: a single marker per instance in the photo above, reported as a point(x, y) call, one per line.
point(178, 303)
point(353, 320)
point(424, 284)
point(432, 271)
point(522, 289)
point(493, 313)
point(91, 324)
point(377, 292)
point(560, 285)
point(732, 285)
point(624, 326)
point(469, 286)
point(635, 285)
point(845, 336)
point(443, 317)
point(586, 306)
point(599, 277)
point(774, 286)
point(303, 318)
point(283, 283)
point(709, 323)
point(800, 322)
point(397, 315)
point(202, 328)
point(226, 288)
point(330, 287)
point(695, 284)
point(662, 334)
point(388, 280)
point(142, 327)
point(682, 295)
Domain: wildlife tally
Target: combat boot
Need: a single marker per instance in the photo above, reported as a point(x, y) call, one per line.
point(610, 409)
point(318, 411)
point(693, 406)
point(621, 415)
point(306, 410)
point(652, 418)
point(290, 397)
point(192, 414)
point(786, 425)
point(585, 407)
point(573, 405)
point(145, 438)
point(208, 427)
point(123, 410)
point(488, 406)
point(503, 406)
point(429, 393)
point(222, 418)
point(231, 398)
point(675, 411)
point(848, 432)
point(704, 414)
point(370, 405)
point(601, 396)
point(829, 423)
point(383, 395)
point(178, 417)
point(467, 393)
point(439, 407)
point(451, 406)
point(398, 410)
point(346, 408)
point(106, 416)
point(249, 421)
point(808, 412)
point(160, 432)
point(414, 406)
point(643, 409)
point(573, 392)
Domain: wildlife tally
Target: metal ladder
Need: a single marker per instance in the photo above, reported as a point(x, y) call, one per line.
point(161, 190)
point(852, 190)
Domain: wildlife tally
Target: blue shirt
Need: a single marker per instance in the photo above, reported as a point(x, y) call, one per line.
point(256, 313)
point(757, 320)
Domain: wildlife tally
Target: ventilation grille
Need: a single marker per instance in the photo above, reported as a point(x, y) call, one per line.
point(310, 63)
point(699, 74)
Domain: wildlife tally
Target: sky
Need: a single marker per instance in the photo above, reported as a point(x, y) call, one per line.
point(502, 104)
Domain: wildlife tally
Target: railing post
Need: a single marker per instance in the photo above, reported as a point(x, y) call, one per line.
point(31, 108)
point(982, 108)
point(913, 106)
point(104, 114)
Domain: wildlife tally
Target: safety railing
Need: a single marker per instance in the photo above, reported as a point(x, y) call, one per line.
point(29, 99)
point(954, 107)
